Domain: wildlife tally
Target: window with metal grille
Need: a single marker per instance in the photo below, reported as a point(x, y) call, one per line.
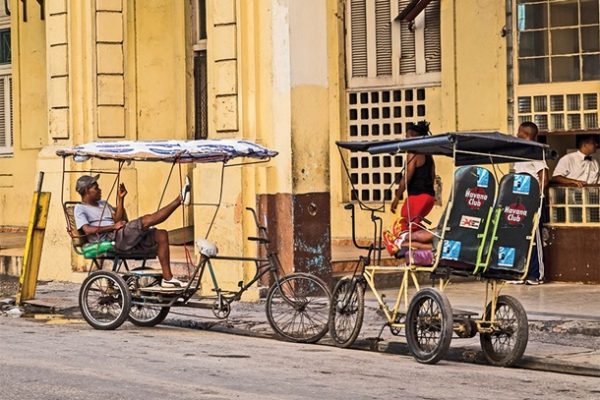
point(558, 41)
point(6, 120)
point(560, 112)
point(380, 114)
point(383, 49)
point(574, 206)
point(200, 71)
point(6, 108)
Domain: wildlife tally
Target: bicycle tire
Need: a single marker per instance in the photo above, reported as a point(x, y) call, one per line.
point(104, 300)
point(346, 315)
point(147, 315)
point(297, 307)
point(429, 325)
point(512, 335)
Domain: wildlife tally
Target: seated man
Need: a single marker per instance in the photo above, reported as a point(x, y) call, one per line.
point(100, 221)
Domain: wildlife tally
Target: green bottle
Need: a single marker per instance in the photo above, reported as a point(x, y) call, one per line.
point(92, 250)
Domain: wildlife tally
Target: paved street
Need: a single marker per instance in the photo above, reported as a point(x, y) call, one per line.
point(46, 360)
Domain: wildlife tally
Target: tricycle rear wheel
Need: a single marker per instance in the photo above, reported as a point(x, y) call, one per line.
point(506, 345)
point(147, 315)
point(104, 300)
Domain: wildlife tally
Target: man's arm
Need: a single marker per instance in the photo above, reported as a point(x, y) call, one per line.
point(543, 178)
point(91, 230)
point(120, 214)
point(410, 170)
point(562, 180)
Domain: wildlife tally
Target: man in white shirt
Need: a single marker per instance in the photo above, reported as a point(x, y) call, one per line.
point(539, 169)
point(579, 168)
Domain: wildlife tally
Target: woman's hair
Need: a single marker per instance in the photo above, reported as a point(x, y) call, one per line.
point(421, 127)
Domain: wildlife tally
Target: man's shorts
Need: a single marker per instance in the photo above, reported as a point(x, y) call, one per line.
point(133, 237)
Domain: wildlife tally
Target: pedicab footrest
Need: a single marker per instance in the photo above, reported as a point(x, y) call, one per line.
point(502, 275)
point(160, 289)
point(146, 272)
point(463, 313)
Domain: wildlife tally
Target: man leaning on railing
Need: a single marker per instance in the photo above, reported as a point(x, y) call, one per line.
point(579, 168)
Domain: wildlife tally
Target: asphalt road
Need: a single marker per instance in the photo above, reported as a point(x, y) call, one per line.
point(72, 361)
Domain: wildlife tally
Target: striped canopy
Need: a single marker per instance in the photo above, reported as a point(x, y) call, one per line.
point(180, 151)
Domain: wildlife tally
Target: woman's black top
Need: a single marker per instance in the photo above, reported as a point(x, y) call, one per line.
point(422, 179)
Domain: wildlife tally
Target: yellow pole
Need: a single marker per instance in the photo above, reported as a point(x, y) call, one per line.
point(38, 218)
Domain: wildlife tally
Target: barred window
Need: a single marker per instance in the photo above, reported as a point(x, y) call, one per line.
point(560, 111)
point(200, 70)
point(380, 114)
point(558, 41)
point(6, 107)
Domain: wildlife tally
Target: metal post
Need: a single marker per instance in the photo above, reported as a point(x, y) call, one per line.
point(34, 242)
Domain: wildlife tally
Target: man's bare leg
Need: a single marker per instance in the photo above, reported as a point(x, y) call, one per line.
point(161, 215)
point(420, 239)
point(164, 256)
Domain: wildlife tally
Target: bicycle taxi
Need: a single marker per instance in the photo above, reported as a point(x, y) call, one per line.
point(487, 231)
point(297, 304)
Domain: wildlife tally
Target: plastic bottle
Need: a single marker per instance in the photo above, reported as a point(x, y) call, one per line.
point(93, 249)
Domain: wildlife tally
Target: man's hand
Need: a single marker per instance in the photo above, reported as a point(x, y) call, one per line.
point(394, 204)
point(122, 191)
point(118, 225)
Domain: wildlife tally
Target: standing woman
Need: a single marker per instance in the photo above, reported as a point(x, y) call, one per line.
point(418, 181)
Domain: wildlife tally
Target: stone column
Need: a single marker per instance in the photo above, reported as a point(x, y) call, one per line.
point(299, 211)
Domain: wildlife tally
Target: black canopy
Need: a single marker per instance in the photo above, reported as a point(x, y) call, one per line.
point(471, 147)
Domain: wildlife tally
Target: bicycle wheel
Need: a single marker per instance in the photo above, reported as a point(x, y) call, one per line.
point(346, 312)
point(147, 315)
point(104, 300)
point(506, 345)
point(429, 325)
point(298, 306)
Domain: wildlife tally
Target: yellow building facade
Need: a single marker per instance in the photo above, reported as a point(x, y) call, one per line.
point(292, 75)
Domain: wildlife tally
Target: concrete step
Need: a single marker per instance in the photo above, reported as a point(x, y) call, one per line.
point(11, 262)
point(12, 248)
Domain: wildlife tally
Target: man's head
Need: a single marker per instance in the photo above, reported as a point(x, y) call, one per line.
point(421, 128)
point(587, 144)
point(87, 187)
point(528, 131)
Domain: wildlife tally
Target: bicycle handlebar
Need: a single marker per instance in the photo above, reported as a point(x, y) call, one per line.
point(262, 230)
point(350, 206)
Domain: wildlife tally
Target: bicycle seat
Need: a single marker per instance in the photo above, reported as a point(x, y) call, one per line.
point(206, 248)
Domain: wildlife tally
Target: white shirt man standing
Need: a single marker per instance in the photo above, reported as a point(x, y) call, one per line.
point(539, 169)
